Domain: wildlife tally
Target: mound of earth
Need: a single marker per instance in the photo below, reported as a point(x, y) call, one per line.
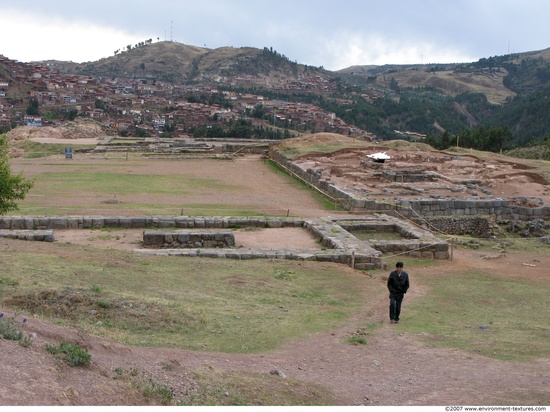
point(79, 129)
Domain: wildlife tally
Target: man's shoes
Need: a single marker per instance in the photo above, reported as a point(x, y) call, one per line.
point(395, 321)
point(392, 321)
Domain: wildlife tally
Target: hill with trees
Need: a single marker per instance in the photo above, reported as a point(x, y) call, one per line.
point(181, 63)
point(440, 101)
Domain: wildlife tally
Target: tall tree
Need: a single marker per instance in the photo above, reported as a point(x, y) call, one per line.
point(12, 187)
point(32, 108)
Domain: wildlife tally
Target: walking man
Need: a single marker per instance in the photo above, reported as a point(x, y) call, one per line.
point(398, 284)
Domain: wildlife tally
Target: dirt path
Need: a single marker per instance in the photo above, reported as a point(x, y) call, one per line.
point(392, 369)
point(127, 239)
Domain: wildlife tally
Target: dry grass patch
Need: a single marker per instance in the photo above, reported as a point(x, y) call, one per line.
point(198, 304)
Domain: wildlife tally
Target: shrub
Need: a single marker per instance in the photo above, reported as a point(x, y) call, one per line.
point(357, 340)
point(74, 355)
point(11, 329)
point(161, 393)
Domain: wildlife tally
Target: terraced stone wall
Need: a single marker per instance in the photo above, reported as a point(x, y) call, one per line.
point(502, 209)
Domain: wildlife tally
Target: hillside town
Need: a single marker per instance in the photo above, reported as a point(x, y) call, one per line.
point(34, 94)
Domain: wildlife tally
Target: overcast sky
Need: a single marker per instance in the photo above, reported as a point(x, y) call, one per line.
point(333, 34)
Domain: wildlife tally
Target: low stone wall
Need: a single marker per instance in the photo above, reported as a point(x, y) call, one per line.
point(502, 209)
point(416, 241)
point(34, 235)
point(187, 239)
point(142, 222)
point(472, 225)
point(173, 235)
point(407, 176)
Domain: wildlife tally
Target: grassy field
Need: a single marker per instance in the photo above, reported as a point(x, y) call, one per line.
point(253, 306)
point(458, 302)
point(323, 200)
point(459, 307)
point(112, 183)
point(34, 150)
point(199, 304)
point(155, 187)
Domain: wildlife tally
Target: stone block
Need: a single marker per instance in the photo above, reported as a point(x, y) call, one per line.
point(441, 247)
point(321, 257)
point(5, 222)
point(152, 237)
point(139, 222)
point(427, 255)
point(86, 222)
point(166, 223)
point(74, 223)
point(58, 223)
point(111, 222)
point(29, 223)
point(98, 222)
point(125, 222)
point(17, 223)
point(181, 222)
point(441, 255)
point(183, 238)
point(274, 223)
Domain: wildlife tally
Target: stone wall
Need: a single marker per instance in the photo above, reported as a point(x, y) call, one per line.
point(407, 176)
point(141, 222)
point(34, 235)
point(173, 235)
point(472, 225)
point(415, 242)
point(187, 239)
point(501, 209)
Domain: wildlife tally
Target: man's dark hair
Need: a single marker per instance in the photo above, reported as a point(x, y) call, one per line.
point(399, 265)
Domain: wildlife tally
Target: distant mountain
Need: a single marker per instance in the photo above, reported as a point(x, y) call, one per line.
point(505, 91)
point(499, 78)
point(181, 63)
point(510, 91)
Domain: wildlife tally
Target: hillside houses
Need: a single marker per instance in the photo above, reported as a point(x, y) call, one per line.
point(156, 107)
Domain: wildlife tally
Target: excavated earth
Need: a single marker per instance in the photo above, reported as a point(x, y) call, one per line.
point(442, 175)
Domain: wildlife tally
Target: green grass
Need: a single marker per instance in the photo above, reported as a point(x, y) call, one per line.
point(30, 208)
point(357, 340)
point(34, 150)
point(198, 304)
point(73, 354)
point(541, 152)
point(123, 183)
point(457, 304)
point(161, 394)
point(324, 201)
point(509, 242)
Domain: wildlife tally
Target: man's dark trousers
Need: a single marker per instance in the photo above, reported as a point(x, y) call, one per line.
point(395, 305)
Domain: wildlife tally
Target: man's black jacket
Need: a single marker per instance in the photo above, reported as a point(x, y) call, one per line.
point(398, 284)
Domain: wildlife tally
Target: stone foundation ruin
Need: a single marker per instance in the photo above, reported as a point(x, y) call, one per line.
point(163, 239)
point(212, 236)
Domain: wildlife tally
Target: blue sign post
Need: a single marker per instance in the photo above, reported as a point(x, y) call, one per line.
point(68, 153)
